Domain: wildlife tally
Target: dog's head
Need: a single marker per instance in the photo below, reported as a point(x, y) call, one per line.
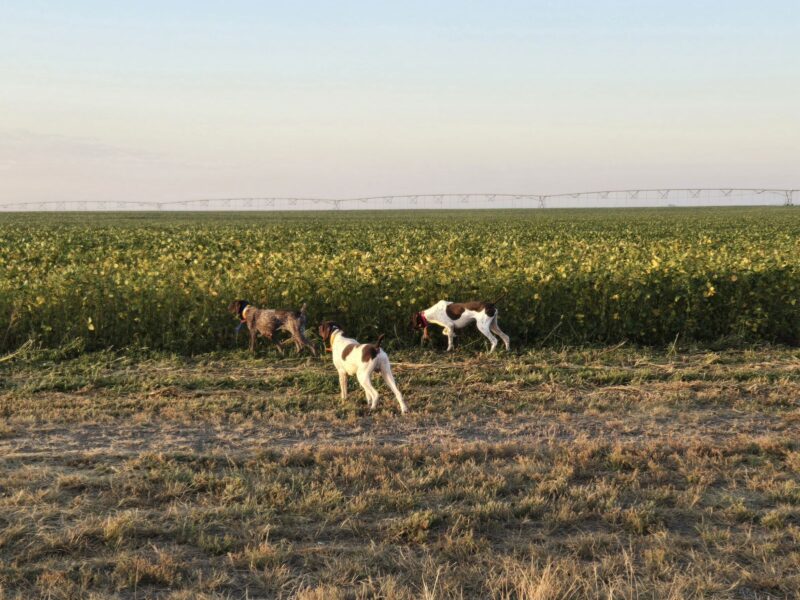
point(237, 307)
point(326, 328)
point(418, 321)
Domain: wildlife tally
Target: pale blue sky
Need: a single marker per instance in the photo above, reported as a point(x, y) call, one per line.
point(172, 100)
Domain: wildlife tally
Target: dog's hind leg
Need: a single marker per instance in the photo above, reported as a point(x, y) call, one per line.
point(302, 341)
point(297, 346)
point(365, 379)
point(485, 328)
point(386, 372)
point(278, 345)
point(299, 340)
point(496, 329)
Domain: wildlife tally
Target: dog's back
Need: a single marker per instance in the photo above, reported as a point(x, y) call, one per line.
point(454, 310)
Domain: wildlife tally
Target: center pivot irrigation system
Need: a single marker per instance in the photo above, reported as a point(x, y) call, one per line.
point(603, 199)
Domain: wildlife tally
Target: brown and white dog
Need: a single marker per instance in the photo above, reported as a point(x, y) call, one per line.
point(457, 315)
point(267, 322)
point(361, 360)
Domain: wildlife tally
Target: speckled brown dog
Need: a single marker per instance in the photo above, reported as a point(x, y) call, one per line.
point(267, 322)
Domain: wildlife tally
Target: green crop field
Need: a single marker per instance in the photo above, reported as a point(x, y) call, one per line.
point(645, 276)
point(640, 440)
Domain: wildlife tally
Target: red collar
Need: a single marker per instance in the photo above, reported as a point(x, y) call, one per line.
point(424, 318)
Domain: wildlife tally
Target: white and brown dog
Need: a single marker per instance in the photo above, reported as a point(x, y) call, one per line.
point(352, 358)
point(457, 315)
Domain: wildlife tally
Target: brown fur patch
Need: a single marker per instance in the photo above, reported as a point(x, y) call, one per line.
point(237, 306)
point(326, 328)
point(368, 352)
point(347, 350)
point(456, 309)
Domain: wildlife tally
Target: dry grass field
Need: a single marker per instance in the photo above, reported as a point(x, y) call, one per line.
point(576, 473)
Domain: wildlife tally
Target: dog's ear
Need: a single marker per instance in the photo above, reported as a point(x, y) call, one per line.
point(237, 306)
point(325, 331)
point(326, 328)
point(416, 322)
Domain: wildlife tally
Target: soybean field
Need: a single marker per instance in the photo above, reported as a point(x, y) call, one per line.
point(163, 281)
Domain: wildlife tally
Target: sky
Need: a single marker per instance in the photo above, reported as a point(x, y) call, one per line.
point(175, 100)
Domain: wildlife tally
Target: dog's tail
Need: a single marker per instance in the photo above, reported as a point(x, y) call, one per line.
point(372, 350)
point(500, 297)
point(303, 315)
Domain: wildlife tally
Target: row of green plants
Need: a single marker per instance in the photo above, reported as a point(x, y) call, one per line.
point(563, 276)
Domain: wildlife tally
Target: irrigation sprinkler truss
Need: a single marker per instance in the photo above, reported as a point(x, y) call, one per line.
point(605, 198)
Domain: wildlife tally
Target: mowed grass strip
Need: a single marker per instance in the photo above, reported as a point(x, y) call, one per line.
point(54, 385)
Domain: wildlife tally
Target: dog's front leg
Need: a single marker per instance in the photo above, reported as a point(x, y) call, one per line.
point(343, 384)
point(253, 334)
